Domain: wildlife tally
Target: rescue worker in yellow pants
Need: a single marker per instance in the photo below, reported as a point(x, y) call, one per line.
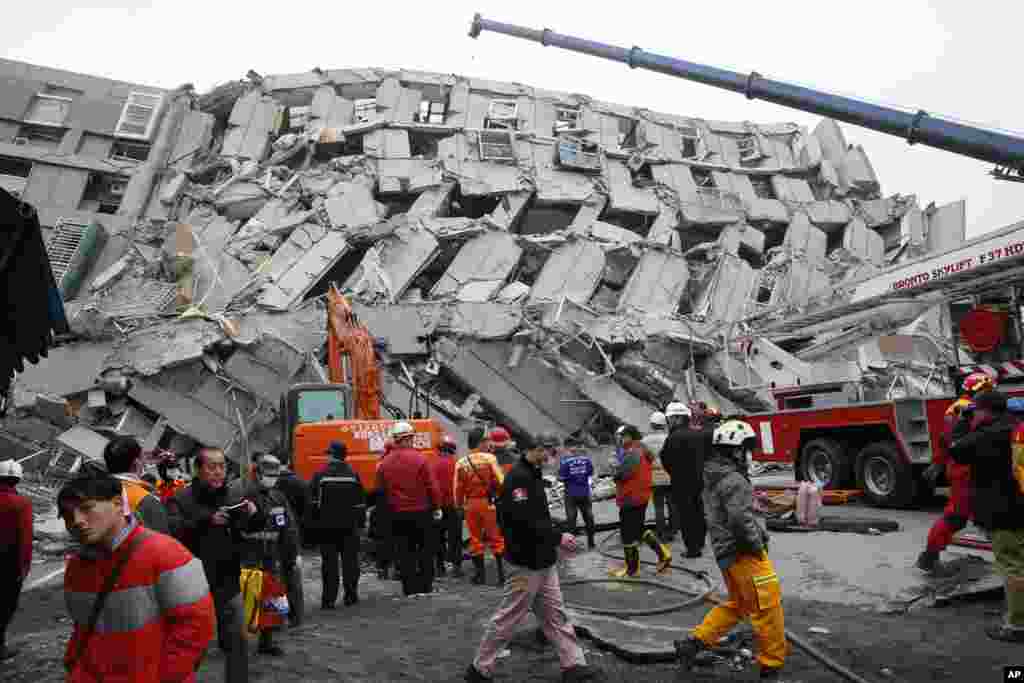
point(740, 545)
point(478, 481)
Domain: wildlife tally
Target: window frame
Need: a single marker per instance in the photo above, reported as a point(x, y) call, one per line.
point(133, 100)
point(45, 96)
point(361, 106)
point(577, 117)
point(492, 122)
point(482, 144)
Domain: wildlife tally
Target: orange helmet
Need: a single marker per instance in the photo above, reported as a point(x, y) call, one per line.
point(499, 436)
point(448, 444)
point(977, 382)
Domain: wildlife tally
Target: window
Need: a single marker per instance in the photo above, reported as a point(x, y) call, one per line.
point(431, 112)
point(703, 177)
point(502, 115)
point(763, 187)
point(138, 117)
point(15, 167)
point(691, 136)
point(496, 145)
point(318, 406)
point(34, 134)
point(574, 153)
point(126, 150)
point(298, 117)
point(642, 175)
point(103, 193)
point(566, 119)
point(750, 149)
point(627, 132)
point(366, 110)
point(48, 110)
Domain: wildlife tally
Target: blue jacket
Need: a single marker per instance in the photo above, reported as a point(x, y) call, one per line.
point(575, 471)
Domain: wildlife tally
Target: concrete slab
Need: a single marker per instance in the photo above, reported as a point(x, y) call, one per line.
point(510, 209)
point(863, 243)
point(266, 369)
point(432, 202)
point(572, 272)
point(829, 215)
point(857, 172)
point(488, 258)
point(946, 226)
point(351, 205)
point(402, 326)
point(151, 350)
point(657, 284)
point(483, 321)
point(740, 234)
point(298, 271)
point(391, 265)
point(84, 442)
point(66, 370)
point(184, 414)
point(624, 196)
point(803, 239)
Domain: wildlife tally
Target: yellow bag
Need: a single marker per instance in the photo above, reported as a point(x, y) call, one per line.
point(252, 592)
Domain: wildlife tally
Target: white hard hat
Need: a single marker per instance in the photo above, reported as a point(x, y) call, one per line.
point(401, 429)
point(676, 408)
point(10, 469)
point(657, 418)
point(732, 433)
point(269, 463)
point(620, 430)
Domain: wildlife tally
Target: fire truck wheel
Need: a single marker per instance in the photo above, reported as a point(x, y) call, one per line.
point(824, 462)
point(887, 481)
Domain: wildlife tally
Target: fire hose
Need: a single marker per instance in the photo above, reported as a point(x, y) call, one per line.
point(799, 642)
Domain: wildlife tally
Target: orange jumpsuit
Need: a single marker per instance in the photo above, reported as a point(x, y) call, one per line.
point(474, 475)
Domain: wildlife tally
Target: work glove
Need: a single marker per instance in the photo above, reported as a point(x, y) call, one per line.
point(438, 515)
point(931, 473)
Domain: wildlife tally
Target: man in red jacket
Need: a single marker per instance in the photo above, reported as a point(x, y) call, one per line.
point(414, 503)
point(156, 619)
point(15, 547)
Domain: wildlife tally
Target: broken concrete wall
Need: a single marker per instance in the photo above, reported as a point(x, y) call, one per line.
point(480, 268)
point(656, 285)
point(390, 266)
point(572, 272)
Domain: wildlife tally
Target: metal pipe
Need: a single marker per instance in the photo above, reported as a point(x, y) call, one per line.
point(920, 127)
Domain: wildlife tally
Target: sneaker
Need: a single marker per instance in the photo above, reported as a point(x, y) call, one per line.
point(687, 651)
point(581, 672)
point(474, 676)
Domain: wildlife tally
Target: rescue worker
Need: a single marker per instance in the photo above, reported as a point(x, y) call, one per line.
point(664, 505)
point(297, 493)
point(271, 542)
point(123, 459)
point(157, 618)
point(683, 458)
point(503, 448)
point(958, 508)
point(575, 471)
point(478, 481)
point(208, 519)
point(449, 529)
point(982, 441)
point(15, 547)
point(533, 545)
point(172, 478)
point(414, 503)
point(741, 548)
point(337, 513)
point(632, 493)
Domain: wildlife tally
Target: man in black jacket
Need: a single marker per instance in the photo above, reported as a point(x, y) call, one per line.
point(297, 493)
point(337, 513)
point(981, 439)
point(531, 547)
point(683, 457)
point(207, 519)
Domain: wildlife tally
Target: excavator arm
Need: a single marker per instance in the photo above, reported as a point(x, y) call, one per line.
point(351, 357)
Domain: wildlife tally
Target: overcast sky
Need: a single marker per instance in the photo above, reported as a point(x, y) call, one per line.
point(945, 56)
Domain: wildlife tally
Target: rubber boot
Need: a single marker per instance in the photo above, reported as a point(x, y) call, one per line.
point(632, 566)
point(687, 651)
point(480, 571)
point(500, 561)
point(590, 540)
point(622, 571)
point(663, 551)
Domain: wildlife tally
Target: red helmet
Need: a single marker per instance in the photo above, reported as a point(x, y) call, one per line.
point(448, 444)
point(977, 382)
point(499, 436)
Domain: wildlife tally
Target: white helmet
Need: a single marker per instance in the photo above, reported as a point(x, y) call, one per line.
point(732, 433)
point(657, 419)
point(675, 409)
point(10, 469)
point(401, 429)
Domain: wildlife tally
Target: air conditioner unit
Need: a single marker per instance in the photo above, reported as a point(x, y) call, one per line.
point(20, 141)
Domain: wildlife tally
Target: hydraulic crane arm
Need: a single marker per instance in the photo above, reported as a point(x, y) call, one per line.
point(351, 357)
point(920, 127)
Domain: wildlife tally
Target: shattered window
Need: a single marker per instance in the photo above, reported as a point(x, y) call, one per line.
point(750, 148)
point(703, 177)
point(566, 119)
point(48, 110)
point(431, 112)
point(125, 150)
point(103, 193)
point(496, 145)
point(763, 187)
point(627, 132)
point(366, 110)
point(573, 153)
point(318, 406)
point(502, 115)
point(690, 137)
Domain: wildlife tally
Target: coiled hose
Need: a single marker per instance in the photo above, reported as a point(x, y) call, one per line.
point(799, 642)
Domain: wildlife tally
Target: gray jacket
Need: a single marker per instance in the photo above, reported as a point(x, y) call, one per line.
point(729, 508)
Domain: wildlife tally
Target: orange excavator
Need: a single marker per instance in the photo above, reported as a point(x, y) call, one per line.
point(348, 409)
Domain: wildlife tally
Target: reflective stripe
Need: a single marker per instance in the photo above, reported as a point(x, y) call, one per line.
point(339, 480)
point(128, 609)
point(183, 585)
point(260, 535)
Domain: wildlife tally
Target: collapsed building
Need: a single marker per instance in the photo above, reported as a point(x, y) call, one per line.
point(540, 259)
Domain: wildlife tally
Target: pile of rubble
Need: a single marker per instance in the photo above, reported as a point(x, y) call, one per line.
point(535, 258)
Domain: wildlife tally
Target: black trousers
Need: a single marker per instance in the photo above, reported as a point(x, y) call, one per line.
point(346, 544)
point(10, 590)
point(230, 635)
point(449, 536)
point(415, 537)
point(665, 516)
point(692, 524)
point(631, 523)
point(584, 506)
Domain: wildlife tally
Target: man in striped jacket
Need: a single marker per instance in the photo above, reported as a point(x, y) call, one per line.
point(158, 617)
